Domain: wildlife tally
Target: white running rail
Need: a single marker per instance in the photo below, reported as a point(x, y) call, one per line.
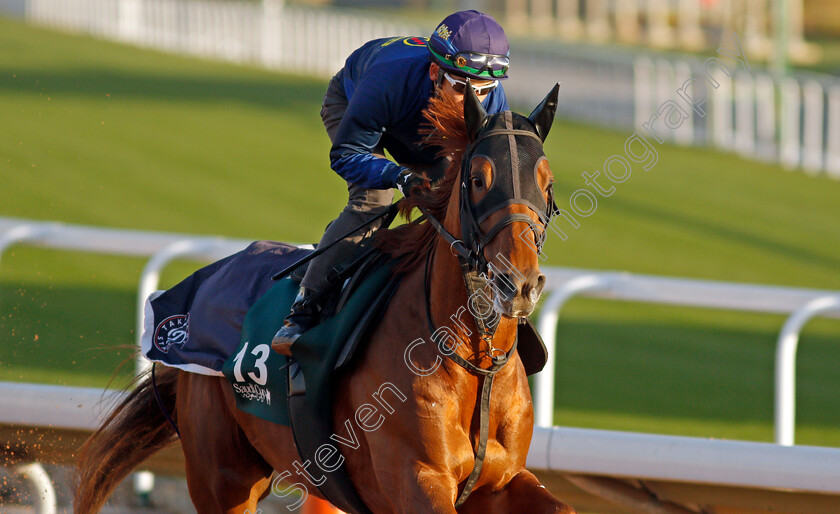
point(800, 304)
point(786, 363)
point(685, 459)
point(562, 284)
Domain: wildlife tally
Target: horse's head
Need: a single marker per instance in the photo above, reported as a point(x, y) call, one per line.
point(506, 200)
point(493, 204)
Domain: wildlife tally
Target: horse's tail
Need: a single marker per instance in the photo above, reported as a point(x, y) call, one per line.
point(133, 431)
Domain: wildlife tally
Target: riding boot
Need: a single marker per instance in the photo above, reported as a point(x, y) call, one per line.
point(303, 316)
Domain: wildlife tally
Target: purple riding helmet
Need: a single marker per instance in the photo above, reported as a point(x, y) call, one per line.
point(471, 44)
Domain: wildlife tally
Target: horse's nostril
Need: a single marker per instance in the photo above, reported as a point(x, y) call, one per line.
point(505, 285)
point(525, 287)
point(533, 289)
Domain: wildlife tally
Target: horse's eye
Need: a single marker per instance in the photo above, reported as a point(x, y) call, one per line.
point(477, 182)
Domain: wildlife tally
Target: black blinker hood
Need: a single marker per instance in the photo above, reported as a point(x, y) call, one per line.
point(509, 143)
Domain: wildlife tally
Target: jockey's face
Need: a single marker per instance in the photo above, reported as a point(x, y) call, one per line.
point(446, 88)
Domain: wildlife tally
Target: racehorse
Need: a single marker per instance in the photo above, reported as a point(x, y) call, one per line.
point(446, 445)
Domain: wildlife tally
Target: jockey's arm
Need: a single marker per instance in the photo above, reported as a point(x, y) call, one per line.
point(369, 111)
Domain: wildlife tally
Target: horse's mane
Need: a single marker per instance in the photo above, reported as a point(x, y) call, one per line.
point(411, 242)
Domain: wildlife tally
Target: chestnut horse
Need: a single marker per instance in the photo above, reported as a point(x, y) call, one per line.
point(426, 456)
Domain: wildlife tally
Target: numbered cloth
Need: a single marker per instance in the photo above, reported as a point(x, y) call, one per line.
point(260, 377)
point(197, 324)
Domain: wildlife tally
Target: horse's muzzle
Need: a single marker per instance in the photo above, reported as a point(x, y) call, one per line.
point(517, 294)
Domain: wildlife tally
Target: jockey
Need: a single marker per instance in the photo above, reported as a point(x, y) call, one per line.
point(374, 104)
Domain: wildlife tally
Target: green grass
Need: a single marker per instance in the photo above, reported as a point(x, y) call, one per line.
point(709, 372)
point(107, 135)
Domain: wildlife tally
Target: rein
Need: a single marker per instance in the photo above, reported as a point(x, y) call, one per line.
point(474, 267)
point(487, 375)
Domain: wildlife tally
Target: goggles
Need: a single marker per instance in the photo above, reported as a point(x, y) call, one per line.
point(483, 65)
point(461, 85)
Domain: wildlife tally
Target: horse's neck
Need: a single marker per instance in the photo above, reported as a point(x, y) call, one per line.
point(448, 298)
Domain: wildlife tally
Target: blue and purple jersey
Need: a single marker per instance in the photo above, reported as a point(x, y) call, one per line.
point(387, 86)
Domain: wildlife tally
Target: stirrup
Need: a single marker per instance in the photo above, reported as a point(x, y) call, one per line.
point(282, 342)
point(302, 316)
point(283, 348)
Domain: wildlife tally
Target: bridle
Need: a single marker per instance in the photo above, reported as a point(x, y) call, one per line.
point(474, 264)
point(473, 238)
point(470, 248)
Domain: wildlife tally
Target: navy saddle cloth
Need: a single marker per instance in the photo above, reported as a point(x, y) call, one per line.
point(196, 325)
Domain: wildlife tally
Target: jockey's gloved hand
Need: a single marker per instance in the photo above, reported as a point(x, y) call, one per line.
point(408, 180)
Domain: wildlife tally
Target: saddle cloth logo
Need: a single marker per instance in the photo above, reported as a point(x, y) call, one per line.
point(173, 330)
point(253, 392)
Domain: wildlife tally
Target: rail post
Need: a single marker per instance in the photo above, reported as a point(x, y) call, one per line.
point(547, 325)
point(786, 364)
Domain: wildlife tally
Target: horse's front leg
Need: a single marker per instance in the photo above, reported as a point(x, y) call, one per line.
point(420, 488)
point(524, 493)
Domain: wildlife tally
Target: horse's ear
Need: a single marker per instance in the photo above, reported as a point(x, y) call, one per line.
point(543, 115)
point(474, 112)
